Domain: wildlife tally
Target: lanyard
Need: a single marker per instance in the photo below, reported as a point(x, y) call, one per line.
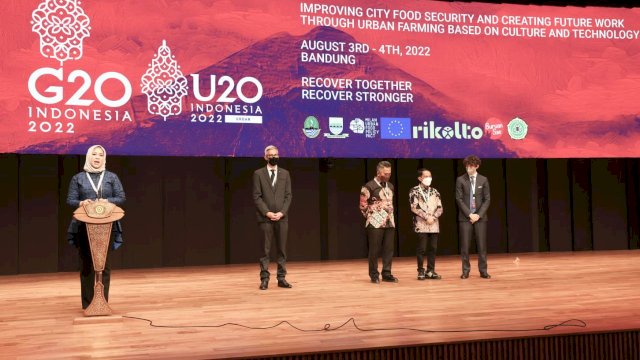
point(424, 196)
point(93, 185)
point(386, 185)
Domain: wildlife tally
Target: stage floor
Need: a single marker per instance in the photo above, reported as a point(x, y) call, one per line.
point(601, 288)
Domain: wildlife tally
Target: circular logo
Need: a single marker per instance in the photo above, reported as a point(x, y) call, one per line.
point(311, 127)
point(99, 209)
point(517, 129)
point(395, 128)
point(447, 132)
point(494, 128)
point(357, 126)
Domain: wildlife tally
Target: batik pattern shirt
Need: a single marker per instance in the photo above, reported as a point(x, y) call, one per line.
point(425, 203)
point(376, 204)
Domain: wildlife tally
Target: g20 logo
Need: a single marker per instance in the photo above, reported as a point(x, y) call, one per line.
point(54, 94)
point(62, 26)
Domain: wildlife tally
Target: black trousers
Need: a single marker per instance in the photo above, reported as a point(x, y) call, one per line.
point(274, 232)
point(427, 243)
point(467, 229)
point(380, 240)
point(87, 275)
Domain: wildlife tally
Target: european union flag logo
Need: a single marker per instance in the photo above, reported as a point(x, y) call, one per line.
point(395, 128)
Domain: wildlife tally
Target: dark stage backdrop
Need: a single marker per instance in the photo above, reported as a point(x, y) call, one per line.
point(199, 211)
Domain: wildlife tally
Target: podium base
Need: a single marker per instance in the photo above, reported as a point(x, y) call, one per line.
point(99, 305)
point(84, 320)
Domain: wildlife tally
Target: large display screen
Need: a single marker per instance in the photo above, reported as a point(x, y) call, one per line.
point(395, 79)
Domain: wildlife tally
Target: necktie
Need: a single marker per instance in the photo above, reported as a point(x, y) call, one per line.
point(472, 200)
point(273, 176)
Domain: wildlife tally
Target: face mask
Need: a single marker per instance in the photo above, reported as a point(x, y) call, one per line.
point(273, 161)
point(427, 181)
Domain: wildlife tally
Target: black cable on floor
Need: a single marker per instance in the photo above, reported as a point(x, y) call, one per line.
point(327, 327)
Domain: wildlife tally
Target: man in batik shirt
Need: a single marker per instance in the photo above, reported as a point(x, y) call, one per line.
point(376, 205)
point(426, 206)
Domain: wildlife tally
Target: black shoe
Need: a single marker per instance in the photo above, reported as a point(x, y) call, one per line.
point(264, 284)
point(421, 274)
point(465, 275)
point(284, 284)
point(432, 275)
point(390, 278)
point(485, 276)
point(375, 280)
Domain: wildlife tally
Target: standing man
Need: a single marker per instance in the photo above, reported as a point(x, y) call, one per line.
point(473, 198)
point(426, 206)
point(272, 196)
point(376, 205)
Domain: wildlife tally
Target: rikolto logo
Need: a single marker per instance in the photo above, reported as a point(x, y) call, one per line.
point(62, 26)
point(164, 84)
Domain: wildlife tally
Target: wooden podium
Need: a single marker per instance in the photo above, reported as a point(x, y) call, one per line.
point(99, 217)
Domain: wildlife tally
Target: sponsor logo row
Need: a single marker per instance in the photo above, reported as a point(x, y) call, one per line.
point(397, 128)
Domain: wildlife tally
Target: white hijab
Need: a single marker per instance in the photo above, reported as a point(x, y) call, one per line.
point(87, 161)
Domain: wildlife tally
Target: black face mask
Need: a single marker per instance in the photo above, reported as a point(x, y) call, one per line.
point(273, 161)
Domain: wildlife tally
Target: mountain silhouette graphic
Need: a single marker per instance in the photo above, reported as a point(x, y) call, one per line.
point(275, 62)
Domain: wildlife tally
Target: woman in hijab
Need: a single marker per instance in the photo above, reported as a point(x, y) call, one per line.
point(95, 182)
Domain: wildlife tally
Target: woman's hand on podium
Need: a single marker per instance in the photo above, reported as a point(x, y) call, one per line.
point(85, 202)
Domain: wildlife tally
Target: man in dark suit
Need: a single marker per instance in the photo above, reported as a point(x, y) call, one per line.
point(272, 196)
point(473, 199)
